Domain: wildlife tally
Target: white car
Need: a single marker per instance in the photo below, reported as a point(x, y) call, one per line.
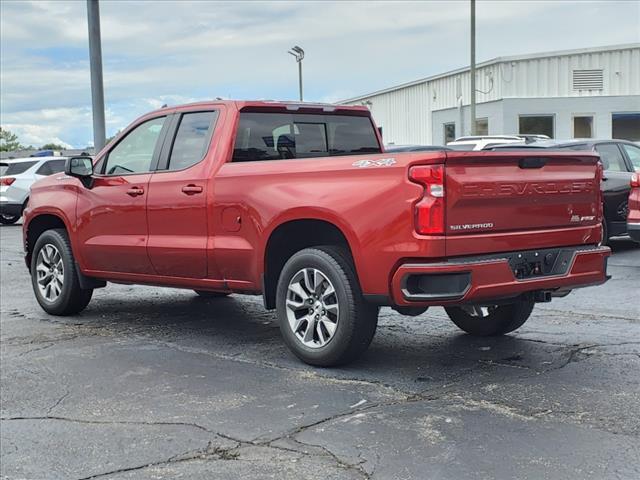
point(482, 142)
point(16, 177)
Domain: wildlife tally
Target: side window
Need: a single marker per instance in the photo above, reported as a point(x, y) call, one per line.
point(611, 157)
point(634, 155)
point(51, 167)
point(192, 139)
point(134, 153)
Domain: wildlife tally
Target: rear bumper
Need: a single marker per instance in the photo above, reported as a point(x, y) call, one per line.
point(634, 231)
point(7, 208)
point(476, 279)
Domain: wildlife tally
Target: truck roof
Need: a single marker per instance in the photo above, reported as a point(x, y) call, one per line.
point(273, 104)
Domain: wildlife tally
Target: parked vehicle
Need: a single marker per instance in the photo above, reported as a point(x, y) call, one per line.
point(299, 203)
point(527, 138)
point(16, 177)
point(620, 159)
point(633, 220)
point(480, 142)
point(413, 148)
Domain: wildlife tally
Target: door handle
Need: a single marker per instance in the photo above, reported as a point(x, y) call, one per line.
point(135, 191)
point(191, 189)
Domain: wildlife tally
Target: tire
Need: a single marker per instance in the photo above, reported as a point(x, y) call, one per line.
point(71, 298)
point(9, 219)
point(342, 323)
point(605, 234)
point(498, 320)
point(208, 294)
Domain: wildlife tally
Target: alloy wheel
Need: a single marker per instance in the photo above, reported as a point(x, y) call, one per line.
point(50, 272)
point(312, 307)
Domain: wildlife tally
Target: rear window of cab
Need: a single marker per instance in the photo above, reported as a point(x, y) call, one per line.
point(15, 168)
point(284, 136)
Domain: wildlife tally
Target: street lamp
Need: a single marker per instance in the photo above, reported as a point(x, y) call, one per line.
point(299, 54)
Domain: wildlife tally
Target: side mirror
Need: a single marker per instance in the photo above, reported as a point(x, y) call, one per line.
point(81, 168)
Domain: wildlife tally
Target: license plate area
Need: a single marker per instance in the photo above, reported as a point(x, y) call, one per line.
point(540, 263)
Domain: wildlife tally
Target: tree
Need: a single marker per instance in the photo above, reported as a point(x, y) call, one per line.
point(52, 146)
point(106, 142)
point(9, 141)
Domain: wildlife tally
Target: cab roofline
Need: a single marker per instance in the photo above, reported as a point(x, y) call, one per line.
point(266, 104)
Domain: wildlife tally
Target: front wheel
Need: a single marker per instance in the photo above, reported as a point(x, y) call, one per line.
point(492, 320)
point(323, 316)
point(53, 275)
point(8, 219)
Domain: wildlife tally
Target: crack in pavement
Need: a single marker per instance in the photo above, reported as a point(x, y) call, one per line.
point(206, 453)
point(591, 316)
point(58, 402)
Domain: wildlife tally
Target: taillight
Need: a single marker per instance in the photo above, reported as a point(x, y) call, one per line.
point(635, 181)
point(429, 211)
point(6, 181)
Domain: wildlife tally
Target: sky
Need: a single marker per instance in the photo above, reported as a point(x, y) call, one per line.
point(176, 52)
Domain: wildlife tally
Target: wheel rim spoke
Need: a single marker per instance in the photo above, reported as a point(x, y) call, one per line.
point(308, 279)
point(312, 307)
point(297, 289)
point(307, 336)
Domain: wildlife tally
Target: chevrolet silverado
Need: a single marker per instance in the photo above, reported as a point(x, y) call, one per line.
point(300, 203)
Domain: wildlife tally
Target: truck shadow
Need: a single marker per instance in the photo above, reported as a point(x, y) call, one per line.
point(414, 352)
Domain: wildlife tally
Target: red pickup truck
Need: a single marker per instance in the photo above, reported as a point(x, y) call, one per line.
point(300, 203)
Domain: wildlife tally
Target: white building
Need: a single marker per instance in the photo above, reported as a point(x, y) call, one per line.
point(592, 92)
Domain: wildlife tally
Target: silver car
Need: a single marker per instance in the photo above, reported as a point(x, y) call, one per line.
point(16, 177)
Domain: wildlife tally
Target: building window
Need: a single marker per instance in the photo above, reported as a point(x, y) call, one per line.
point(536, 125)
point(482, 126)
point(449, 132)
point(626, 126)
point(588, 79)
point(583, 126)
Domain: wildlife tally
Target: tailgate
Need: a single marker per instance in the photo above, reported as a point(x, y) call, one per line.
point(496, 193)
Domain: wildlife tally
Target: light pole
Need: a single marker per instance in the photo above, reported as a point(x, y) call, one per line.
point(95, 61)
point(472, 68)
point(298, 53)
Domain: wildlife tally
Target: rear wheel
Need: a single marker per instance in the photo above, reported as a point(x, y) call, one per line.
point(208, 294)
point(54, 277)
point(8, 219)
point(323, 316)
point(494, 320)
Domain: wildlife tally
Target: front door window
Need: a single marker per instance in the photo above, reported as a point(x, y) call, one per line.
point(134, 153)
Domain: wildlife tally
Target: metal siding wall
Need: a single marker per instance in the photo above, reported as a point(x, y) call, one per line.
point(405, 114)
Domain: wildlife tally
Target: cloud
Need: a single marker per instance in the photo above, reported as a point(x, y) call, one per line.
point(173, 52)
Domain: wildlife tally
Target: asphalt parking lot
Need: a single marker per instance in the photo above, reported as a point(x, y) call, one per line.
point(159, 383)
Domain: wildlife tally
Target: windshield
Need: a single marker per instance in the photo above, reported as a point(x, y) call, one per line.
point(633, 153)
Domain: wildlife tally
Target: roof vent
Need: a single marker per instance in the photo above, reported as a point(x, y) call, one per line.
point(588, 79)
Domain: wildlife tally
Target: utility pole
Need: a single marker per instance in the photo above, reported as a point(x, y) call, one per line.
point(472, 69)
point(95, 61)
point(298, 53)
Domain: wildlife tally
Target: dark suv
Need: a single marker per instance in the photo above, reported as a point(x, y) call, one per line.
point(620, 159)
